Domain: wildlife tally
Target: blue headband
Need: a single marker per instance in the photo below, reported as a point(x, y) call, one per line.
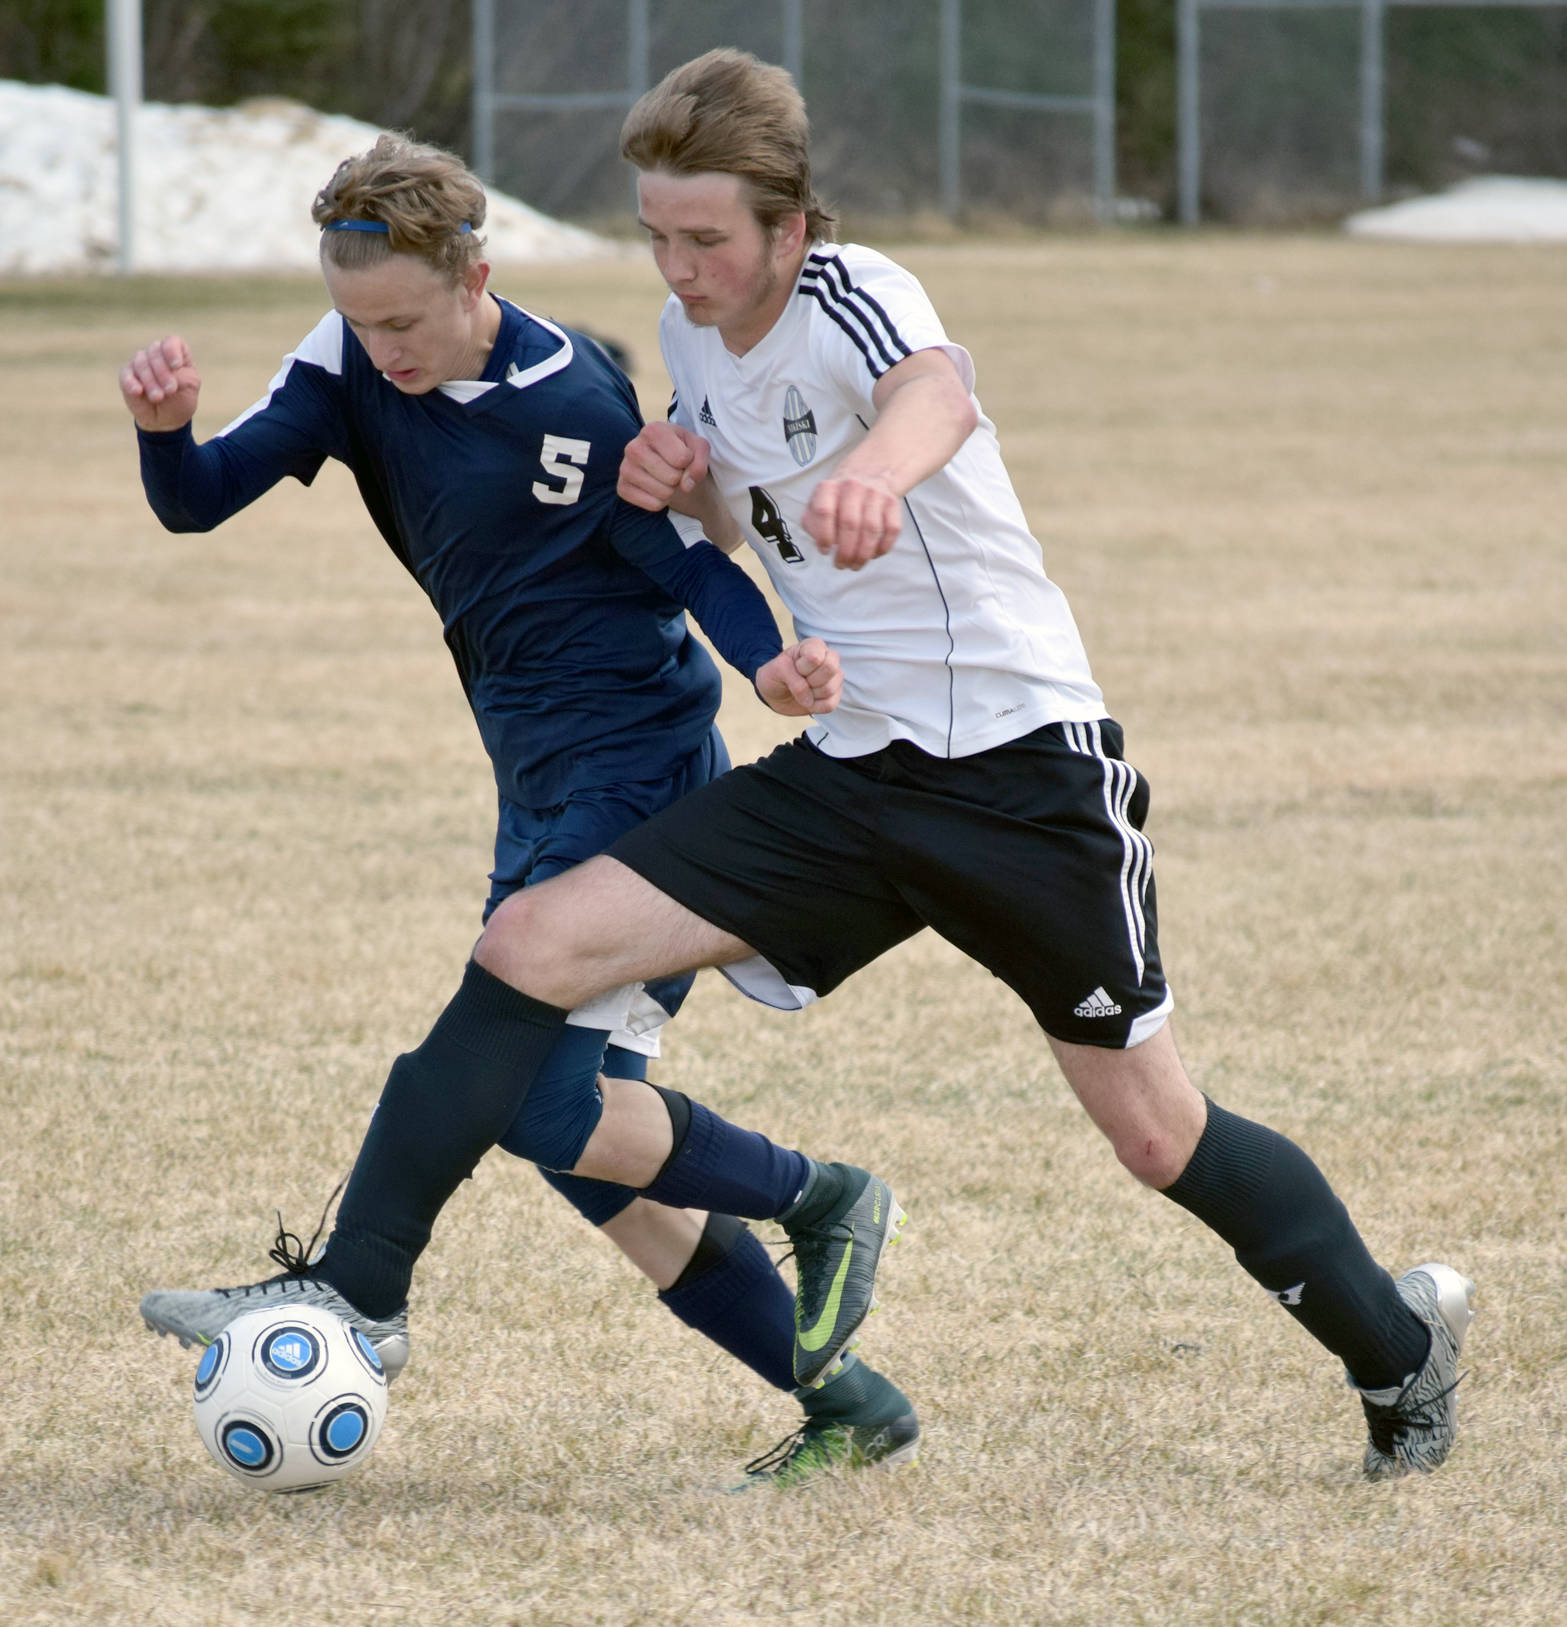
point(377, 226)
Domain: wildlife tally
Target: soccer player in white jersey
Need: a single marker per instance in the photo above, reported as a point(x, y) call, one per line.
point(486, 442)
point(969, 779)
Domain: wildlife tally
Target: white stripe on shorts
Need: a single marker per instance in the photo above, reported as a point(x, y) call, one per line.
point(1136, 850)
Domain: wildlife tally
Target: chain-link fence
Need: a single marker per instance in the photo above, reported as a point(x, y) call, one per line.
point(971, 107)
point(1301, 109)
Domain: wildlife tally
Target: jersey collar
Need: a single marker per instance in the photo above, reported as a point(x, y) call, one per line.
point(503, 364)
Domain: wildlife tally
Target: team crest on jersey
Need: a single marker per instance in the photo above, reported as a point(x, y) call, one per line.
point(799, 427)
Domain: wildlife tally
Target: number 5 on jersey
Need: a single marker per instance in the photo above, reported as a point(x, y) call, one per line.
point(563, 460)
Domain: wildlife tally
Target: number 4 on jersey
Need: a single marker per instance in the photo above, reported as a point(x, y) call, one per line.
point(767, 522)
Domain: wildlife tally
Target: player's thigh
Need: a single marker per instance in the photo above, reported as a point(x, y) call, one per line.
point(534, 844)
point(593, 928)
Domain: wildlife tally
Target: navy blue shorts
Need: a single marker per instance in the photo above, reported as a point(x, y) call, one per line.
point(1030, 857)
point(533, 844)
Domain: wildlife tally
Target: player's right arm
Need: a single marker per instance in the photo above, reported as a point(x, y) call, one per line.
point(801, 681)
point(290, 431)
point(160, 385)
point(666, 467)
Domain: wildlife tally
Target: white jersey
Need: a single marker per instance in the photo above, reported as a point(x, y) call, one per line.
point(956, 639)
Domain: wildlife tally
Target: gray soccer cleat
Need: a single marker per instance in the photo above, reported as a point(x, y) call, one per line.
point(836, 1260)
point(197, 1316)
point(1412, 1427)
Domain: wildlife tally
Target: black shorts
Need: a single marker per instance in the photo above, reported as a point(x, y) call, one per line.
point(1030, 857)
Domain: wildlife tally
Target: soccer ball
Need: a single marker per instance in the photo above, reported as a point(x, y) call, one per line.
point(290, 1399)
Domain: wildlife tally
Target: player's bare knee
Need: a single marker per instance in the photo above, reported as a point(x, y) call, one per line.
point(518, 948)
point(1155, 1159)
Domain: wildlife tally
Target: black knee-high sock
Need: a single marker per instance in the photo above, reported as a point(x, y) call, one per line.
point(443, 1107)
point(1274, 1207)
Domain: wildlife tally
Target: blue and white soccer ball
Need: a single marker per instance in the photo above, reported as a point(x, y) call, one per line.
point(290, 1399)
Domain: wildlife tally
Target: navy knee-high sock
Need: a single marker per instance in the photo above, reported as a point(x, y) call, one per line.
point(718, 1166)
point(731, 1293)
point(443, 1107)
point(1274, 1207)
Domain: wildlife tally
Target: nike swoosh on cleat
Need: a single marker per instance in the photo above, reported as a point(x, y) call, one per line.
point(814, 1338)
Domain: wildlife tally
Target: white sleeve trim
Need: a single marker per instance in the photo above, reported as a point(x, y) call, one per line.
point(322, 347)
point(691, 531)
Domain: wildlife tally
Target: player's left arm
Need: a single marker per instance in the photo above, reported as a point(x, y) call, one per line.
point(804, 679)
point(924, 413)
point(796, 681)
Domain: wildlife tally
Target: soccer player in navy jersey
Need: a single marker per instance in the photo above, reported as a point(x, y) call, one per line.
point(486, 443)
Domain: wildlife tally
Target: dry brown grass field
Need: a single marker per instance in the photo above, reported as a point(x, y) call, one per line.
point(1308, 498)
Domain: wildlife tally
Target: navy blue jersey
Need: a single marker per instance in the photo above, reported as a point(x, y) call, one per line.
point(562, 604)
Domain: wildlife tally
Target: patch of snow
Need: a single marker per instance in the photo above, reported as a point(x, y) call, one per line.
point(217, 189)
point(1487, 209)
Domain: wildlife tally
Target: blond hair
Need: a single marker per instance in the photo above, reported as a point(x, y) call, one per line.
point(727, 112)
point(430, 202)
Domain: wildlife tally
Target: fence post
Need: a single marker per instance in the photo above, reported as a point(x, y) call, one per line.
point(1188, 123)
point(484, 90)
point(639, 47)
point(1104, 109)
point(1373, 95)
point(124, 30)
point(794, 41)
point(948, 117)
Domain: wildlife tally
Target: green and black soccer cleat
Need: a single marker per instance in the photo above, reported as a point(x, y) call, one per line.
point(820, 1447)
point(836, 1256)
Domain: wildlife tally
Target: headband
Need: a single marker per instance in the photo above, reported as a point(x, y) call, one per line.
point(377, 226)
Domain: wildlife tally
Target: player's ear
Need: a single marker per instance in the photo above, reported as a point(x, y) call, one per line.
point(789, 234)
point(474, 281)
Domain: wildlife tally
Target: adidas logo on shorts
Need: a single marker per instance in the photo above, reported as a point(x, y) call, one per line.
point(1098, 1004)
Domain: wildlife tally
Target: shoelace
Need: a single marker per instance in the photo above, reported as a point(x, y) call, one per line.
point(776, 1457)
point(780, 1457)
point(1387, 1427)
point(287, 1250)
